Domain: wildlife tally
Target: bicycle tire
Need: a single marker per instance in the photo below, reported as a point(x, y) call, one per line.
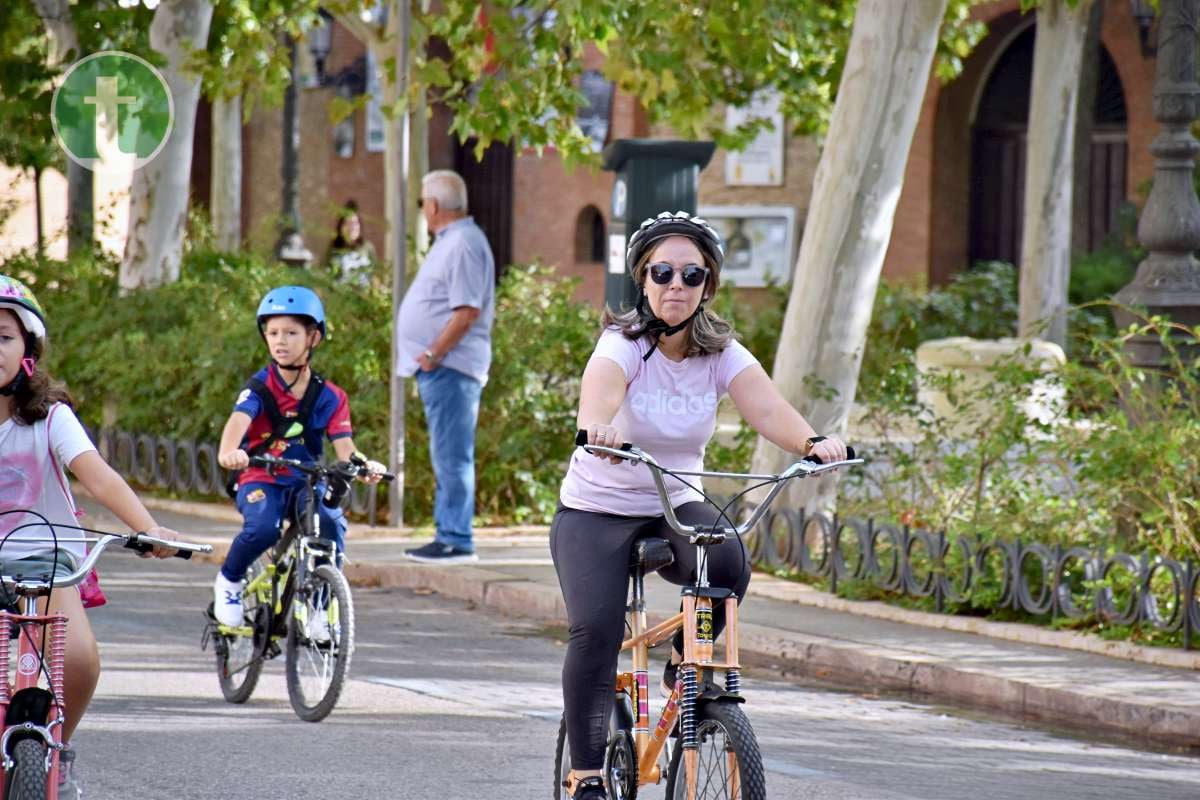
point(562, 753)
point(322, 665)
point(27, 778)
point(239, 660)
point(721, 727)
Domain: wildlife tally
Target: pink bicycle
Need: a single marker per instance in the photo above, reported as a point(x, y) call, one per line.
point(32, 701)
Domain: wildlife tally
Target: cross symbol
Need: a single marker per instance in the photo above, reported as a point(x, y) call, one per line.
point(107, 101)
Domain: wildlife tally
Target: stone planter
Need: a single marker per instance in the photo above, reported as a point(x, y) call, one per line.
point(974, 360)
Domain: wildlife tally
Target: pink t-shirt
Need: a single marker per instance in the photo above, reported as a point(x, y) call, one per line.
point(669, 411)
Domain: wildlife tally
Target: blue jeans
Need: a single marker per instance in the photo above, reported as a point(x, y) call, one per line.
point(264, 507)
point(451, 409)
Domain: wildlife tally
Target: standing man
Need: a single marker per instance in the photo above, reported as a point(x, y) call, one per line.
point(445, 334)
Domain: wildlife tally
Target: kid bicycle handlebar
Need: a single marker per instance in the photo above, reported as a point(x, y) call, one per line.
point(356, 467)
point(140, 542)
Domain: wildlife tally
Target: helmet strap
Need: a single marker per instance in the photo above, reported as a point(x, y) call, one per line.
point(28, 367)
point(656, 327)
point(299, 368)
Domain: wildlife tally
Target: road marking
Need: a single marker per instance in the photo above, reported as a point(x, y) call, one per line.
point(523, 699)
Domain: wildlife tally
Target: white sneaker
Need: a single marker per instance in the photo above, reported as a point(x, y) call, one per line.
point(68, 781)
point(318, 627)
point(227, 601)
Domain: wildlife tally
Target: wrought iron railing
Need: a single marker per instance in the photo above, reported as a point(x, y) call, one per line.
point(187, 466)
point(1043, 580)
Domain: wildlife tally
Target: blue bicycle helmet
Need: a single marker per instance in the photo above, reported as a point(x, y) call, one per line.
point(292, 301)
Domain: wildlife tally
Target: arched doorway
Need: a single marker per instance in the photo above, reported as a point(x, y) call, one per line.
point(998, 141)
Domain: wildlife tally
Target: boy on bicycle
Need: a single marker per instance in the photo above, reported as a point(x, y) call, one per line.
point(285, 411)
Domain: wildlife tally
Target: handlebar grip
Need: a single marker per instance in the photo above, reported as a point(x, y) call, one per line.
point(143, 548)
point(581, 440)
point(850, 456)
point(139, 547)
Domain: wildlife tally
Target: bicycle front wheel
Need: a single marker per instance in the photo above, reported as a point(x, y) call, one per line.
point(728, 763)
point(320, 643)
point(27, 778)
point(240, 658)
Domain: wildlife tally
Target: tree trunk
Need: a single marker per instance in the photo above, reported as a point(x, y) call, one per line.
point(81, 211)
point(159, 197)
point(37, 211)
point(226, 190)
point(64, 49)
point(1085, 122)
point(1049, 169)
point(855, 192)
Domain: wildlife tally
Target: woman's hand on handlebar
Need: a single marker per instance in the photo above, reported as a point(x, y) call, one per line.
point(605, 436)
point(234, 459)
point(828, 451)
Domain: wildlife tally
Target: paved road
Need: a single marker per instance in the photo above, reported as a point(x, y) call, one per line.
point(448, 702)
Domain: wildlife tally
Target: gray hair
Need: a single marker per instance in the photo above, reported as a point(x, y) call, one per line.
point(448, 188)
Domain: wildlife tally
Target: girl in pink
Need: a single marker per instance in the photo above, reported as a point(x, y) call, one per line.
point(39, 436)
point(654, 379)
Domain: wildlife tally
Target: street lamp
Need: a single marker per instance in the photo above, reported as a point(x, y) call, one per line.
point(320, 42)
point(290, 248)
point(1168, 280)
point(1143, 14)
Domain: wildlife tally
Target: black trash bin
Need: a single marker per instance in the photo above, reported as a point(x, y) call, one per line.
point(653, 175)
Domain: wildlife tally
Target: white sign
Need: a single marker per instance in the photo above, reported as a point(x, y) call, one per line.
point(761, 163)
point(616, 253)
point(620, 195)
point(376, 124)
point(760, 243)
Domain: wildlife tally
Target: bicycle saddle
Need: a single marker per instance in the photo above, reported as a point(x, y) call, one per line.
point(651, 554)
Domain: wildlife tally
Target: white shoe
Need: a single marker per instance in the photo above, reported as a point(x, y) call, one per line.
point(227, 601)
point(318, 626)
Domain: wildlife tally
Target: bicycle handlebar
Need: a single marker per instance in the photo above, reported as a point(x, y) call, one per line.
point(805, 468)
point(354, 468)
point(140, 542)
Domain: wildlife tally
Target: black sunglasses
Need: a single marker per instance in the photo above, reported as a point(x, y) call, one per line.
point(693, 275)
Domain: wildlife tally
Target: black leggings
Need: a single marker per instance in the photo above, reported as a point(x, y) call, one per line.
point(591, 554)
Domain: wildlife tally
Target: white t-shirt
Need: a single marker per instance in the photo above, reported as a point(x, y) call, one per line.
point(669, 411)
point(28, 481)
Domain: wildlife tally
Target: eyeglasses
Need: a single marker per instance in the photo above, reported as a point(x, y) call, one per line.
point(420, 202)
point(693, 275)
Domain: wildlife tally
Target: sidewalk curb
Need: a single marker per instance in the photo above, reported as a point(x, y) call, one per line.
point(774, 588)
point(877, 667)
point(863, 666)
point(769, 586)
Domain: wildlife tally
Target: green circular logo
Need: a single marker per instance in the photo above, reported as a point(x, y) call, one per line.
point(112, 111)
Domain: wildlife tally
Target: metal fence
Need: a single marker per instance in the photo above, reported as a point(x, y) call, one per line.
point(187, 466)
point(993, 574)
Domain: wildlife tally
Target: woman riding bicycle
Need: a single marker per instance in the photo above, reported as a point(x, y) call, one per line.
point(654, 379)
